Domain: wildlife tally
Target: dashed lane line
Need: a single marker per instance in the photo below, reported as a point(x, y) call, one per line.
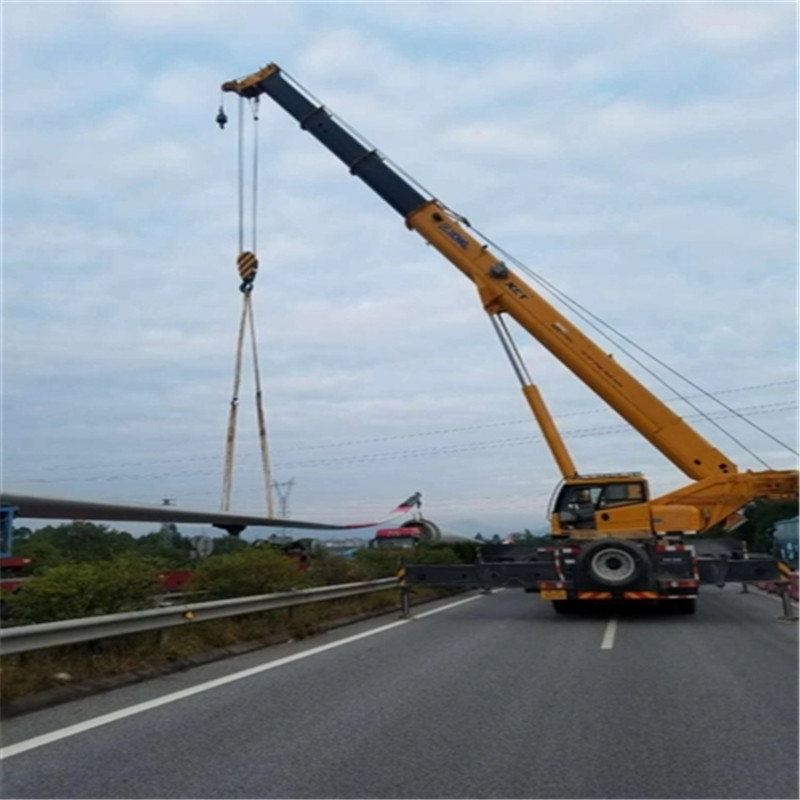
point(610, 633)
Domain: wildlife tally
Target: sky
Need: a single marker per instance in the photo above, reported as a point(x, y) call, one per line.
point(641, 157)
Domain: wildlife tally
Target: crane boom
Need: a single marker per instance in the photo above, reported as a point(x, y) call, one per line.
point(500, 289)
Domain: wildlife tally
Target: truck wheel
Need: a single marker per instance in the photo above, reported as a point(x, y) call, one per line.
point(613, 563)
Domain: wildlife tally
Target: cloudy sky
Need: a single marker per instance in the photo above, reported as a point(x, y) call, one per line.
point(641, 157)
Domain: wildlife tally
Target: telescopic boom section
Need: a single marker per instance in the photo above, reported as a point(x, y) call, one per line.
point(500, 289)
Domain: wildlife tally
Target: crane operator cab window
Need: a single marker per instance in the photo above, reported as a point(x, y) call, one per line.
point(577, 504)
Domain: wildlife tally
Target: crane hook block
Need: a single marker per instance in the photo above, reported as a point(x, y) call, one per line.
point(247, 264)
point(222, 118)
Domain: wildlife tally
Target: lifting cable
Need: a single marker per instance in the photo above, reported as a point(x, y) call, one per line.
point(247, 266)
point(593, 321)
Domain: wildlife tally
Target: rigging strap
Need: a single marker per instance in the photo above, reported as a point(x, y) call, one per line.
point(247, 267)
point(230, 440)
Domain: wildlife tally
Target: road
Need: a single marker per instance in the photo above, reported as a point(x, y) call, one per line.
point(478, 696)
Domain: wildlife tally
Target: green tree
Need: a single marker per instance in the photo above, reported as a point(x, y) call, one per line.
point(436, 554)
point(251, 571)
point(223, 545)
point(19, 535)
point(174, 553)
point(377, 563)
point(760, 516)
point(77, 542)
point(466, 552)
point(43, 554)
point(71, 591)
point(329, 569)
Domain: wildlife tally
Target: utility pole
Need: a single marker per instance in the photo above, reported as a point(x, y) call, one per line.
point(284, 490)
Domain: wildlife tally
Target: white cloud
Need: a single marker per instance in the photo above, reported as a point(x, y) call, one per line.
point(494, 138)
point(732, 25)
point(173, 18)
point(626, 120)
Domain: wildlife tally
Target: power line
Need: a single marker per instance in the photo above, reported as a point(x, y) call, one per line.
point(420, 452)
point(424, 434)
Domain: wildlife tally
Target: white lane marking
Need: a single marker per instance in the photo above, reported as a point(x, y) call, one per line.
point(139, 708)
point(445, 608)
point(608, 636)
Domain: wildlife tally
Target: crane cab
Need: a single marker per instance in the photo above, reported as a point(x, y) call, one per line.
point(586, 504)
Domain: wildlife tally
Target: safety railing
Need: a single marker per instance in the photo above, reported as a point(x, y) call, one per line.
point(24, 638)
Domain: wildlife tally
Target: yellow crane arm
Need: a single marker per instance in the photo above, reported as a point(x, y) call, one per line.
point(718, 489)
point(718, 496)
point(503, 291)
point(500, 289)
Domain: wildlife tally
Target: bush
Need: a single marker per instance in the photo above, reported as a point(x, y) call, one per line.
point(328, 569)
point(71, 591)
point(380, 563)
point(466, 552)
point(435, 554)
point(255, 570)
point(385, 563)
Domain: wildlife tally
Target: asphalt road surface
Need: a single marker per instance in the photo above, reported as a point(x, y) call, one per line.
point(478, 696)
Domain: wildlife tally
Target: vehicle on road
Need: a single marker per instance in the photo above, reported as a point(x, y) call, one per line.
point(611, 539)
point(413, 532)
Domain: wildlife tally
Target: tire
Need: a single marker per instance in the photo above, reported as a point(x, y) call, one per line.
point(613, 563)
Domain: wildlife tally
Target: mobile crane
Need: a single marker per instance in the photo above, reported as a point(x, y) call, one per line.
point(612, 541)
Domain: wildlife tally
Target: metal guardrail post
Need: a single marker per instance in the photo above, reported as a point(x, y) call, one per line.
point(405, 602)
point(786, 601)
point(405, 592)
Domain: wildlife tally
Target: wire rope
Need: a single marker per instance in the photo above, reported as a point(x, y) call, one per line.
point(576, 433)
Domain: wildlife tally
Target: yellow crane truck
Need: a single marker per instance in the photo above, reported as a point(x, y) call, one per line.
point(610, 539)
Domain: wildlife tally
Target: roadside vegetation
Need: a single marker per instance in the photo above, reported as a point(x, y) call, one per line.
point(83, 569)
point(71, 591)
point(756, 527)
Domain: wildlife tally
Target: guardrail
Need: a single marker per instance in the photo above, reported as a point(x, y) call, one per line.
point(72, 631)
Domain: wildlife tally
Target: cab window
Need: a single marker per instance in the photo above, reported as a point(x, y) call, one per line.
point(576, 505)
point(621, 494)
